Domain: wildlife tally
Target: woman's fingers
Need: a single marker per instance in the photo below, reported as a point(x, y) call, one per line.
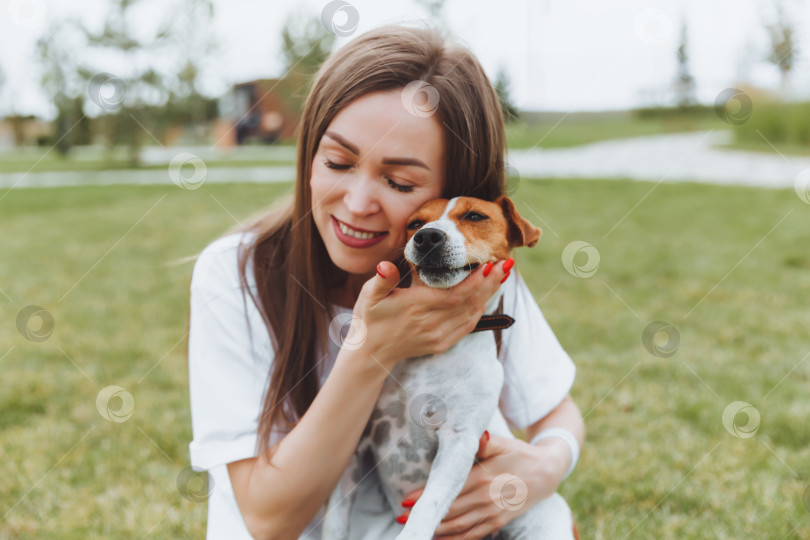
point(477, 288)
point(437, 318)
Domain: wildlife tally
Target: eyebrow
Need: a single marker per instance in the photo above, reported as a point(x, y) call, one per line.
point(386, 161)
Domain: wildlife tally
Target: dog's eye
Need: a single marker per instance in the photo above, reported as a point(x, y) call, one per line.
point(415, 224)
point(474, 216)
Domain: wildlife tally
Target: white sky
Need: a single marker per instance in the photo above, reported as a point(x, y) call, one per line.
point(560, 54)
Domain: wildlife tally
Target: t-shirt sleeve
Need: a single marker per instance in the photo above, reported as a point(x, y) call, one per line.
point(228, 363)
point(538, 373)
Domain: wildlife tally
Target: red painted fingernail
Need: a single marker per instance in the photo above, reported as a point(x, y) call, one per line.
point(510, 262)
point(488, 269)
point(408, 503)
point(379, 271)
point(504, 277)
point(487, 434)
point(402, 519)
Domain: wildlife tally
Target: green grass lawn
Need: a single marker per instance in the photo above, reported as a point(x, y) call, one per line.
point(556, 130)
point(727, 267)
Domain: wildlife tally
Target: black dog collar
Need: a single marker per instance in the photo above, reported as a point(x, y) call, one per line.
point(494, 322)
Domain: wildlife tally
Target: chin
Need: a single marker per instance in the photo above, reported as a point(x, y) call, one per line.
point(353, 265)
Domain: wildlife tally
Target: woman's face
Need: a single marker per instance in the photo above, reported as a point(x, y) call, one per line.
point(375, 165)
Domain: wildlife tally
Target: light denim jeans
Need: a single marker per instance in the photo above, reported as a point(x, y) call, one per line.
point(371, 517)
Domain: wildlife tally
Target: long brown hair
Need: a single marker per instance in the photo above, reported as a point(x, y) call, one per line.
point(292, 268)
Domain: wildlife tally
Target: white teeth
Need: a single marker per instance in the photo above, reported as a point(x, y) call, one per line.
point(356, 234)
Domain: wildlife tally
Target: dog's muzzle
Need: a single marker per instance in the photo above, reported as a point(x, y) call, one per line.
point(437, 261)
point(429, 244)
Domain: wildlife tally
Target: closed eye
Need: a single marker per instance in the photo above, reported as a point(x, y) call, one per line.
point(399, 187)
point(333, 165)
point(474, 216)
point(342, 167)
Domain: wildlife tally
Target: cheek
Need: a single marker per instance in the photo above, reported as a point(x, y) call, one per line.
point(315, 177)
point(321, 187)
point(398, 222)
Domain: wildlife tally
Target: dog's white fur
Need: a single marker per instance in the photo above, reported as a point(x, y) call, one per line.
point(427, 424)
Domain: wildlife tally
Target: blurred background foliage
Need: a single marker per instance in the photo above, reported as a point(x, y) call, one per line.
point(115, 87)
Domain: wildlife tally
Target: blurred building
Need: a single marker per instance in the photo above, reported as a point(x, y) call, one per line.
point(255, 111)
point(23, 131)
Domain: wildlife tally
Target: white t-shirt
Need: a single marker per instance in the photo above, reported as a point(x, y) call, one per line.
point(228, 372)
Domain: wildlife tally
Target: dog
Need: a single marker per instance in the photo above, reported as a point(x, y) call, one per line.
point(432, 411)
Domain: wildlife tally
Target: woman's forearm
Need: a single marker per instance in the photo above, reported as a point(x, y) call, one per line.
point(553, 454)
point(285, 495)
point(566, 415)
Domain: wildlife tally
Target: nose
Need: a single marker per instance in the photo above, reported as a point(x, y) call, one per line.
point(359, 198)
point(427, 239)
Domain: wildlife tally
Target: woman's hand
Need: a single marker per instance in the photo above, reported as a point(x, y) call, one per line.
point(401, 323)
point(508, 478)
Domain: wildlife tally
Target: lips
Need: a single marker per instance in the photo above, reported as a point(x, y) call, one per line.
point(351, 240)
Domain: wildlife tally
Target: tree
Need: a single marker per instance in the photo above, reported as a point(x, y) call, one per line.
point(305, 45)
point(784, 50)
point(123, 89)
point(684, 81)
point(433, 7)
point(62, 84)
point(510, 111)
point(192, 37)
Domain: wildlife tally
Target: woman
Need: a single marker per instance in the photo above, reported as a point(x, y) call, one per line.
point(278, 410)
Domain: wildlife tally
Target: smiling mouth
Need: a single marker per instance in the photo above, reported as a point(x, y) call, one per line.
point(355, 233)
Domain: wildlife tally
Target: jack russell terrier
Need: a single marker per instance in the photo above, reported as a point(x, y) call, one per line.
point(432, 411)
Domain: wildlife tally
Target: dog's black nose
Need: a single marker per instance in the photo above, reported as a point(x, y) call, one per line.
point(427, 239)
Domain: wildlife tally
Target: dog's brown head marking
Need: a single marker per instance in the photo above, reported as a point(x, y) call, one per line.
point(447, 239)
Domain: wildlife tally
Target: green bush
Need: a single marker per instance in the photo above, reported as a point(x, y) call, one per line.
point(781, 124)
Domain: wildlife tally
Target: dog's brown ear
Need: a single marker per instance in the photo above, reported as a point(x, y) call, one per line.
point(521, 231)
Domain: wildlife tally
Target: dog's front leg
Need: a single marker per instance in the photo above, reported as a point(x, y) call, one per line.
point(447, 477)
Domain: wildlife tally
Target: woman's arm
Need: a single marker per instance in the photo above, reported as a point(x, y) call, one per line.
point(540, 468)
point(278, 501)
point(553, 453)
